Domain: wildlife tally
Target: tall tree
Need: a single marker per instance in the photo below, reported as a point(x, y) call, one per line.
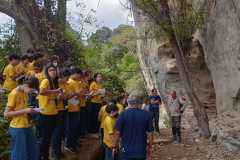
point(61, 14)
point(37, 20)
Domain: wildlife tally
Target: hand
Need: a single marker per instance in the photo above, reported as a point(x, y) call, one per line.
point(58, 91)
point(114, 151)
point(149, 153)
point(30, 111)
point(184, 98)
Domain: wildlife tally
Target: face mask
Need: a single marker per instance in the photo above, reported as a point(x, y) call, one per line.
point(55, 64)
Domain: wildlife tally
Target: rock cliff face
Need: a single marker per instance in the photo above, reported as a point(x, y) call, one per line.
point(221, 42)
point(214, 62)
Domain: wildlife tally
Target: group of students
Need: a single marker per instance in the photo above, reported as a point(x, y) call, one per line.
point(49, 105)
point(59, 104)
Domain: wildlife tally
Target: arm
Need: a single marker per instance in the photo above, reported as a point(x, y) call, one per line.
point(46, 92)
point(150, 138)
point(10, 113)
point(116, 139)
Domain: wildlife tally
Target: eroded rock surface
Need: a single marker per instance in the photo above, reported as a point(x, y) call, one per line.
point(214, 62)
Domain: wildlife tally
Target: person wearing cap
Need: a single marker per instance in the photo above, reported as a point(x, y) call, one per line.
point(134, 127)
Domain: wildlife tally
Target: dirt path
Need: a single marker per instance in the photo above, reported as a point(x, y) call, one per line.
point(88, 150)
point(190, 149)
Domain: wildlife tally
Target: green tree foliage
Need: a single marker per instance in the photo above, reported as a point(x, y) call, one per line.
point(4, 136)
point(9, 42)
point(114, 56)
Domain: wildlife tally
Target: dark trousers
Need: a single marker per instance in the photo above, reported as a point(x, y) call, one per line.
point(58, 134)
point(83, 121)
point(155, 115)
point(101, 134)
point(176, 128)
point(48, 124)
point(93, 117)
point(72, 129)
point(108, 153)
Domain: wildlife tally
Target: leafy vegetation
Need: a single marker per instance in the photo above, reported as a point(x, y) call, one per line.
point(4, 136)
point(113, 54)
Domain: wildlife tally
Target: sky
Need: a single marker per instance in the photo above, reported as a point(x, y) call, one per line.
point(109, 13)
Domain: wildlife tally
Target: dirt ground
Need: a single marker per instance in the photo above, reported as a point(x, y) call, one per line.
point(191, 148)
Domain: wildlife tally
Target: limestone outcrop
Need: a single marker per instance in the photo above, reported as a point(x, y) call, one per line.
point(214, 62)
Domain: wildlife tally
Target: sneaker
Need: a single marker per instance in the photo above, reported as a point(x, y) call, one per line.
point(70, 149)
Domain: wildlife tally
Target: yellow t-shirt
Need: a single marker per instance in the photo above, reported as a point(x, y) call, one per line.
point(108, 129)
point(103, 114)
point(76, 88)
point(9, 72)
point(94, 87)
point(120, 108)
point(40, 76)
point(66, 88)
point(84, 87)
point(30, 66)
point(21, 69)
point(18, 100)
point(47, 104)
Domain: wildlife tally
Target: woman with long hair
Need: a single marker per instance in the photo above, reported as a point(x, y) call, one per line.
point(96, 92)
point(48, 102)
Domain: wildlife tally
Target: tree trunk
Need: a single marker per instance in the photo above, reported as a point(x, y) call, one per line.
point(37, 29)
point(24, 37)
point(61, 14)
point(199, 110)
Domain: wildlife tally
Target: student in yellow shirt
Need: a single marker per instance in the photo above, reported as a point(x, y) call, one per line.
point(38, 71)
point(58, 134)
point(103, 114)
point(96, 92)
point(10, 73)
point(73, 118)
point(83, 103)
point(23, 141)
point(25, 66)
point(48, 102)
point(108, 127)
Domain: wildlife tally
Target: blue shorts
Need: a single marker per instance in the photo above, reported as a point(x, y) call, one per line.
point(23, 144)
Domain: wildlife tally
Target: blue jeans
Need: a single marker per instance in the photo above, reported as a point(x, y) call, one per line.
point(23, 144)
point(72, 133)
point(108, 153)
point(58, 133)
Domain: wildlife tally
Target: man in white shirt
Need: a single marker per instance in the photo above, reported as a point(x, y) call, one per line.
point(176, 109)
